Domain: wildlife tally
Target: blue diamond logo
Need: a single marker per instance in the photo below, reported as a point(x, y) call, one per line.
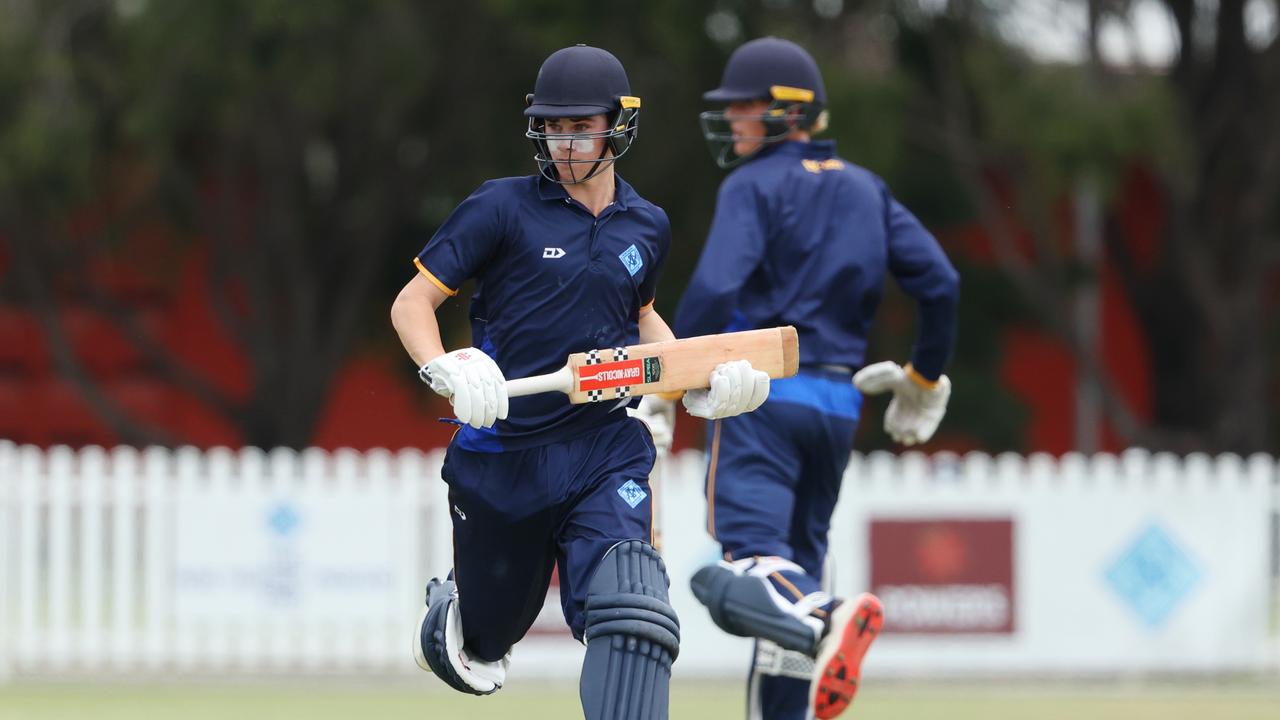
point(631, 493)
point(283, 519)
point(1153, 576)
point(632, 260)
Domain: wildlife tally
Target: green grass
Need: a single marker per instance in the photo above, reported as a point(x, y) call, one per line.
point(318, 700)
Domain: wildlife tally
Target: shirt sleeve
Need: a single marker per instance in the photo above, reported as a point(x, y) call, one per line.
point(735, 246)
point(923, 271)
point(465, 242)
point(649, 286)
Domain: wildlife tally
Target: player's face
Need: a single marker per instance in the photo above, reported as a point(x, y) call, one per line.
point(566, 148)
point(744, 123)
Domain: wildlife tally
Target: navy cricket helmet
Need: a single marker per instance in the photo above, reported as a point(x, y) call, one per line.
point(772, 69)
point(577, 82)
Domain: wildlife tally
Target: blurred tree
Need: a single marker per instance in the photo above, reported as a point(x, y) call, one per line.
point(300, 152)
point(304, 151)
point(289, 143)
point(1031, 143)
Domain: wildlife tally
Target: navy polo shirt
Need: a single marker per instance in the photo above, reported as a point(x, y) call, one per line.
point(552, 280)
point(801, 237)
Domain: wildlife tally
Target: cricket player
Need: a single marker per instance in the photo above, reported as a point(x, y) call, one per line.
point(802, 237)
point(565, 261)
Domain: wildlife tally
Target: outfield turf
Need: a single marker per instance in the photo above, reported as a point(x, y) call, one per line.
point(534, 701)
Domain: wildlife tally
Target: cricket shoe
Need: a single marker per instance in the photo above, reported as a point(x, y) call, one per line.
point(854, 624)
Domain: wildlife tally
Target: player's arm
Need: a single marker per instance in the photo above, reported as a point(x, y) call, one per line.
point(413, 315)
point(657, 411)
point(734, 387)
point(460, 249)
point(471, 380)
point(923, 271)
point(734, 249)
point(652, 327)
point(920, 390)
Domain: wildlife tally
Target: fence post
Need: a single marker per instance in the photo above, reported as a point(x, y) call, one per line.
point(58, 630)
point(8, 520)
point(1273, 465)
point(89, 645)
point(156, 586)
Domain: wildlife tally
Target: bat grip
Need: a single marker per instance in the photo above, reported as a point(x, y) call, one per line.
point(561, 380)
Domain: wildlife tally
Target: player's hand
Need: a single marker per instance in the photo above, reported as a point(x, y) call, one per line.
point(473, 383)
point(660, 416)
point(736, 387)
point(917, 405)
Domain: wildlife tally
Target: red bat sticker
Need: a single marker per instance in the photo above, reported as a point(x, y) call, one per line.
point(611, 374)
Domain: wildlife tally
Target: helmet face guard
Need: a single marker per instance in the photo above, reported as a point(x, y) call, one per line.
point(790, 109)
point(624, 127)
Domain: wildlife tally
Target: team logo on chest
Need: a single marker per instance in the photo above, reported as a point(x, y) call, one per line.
point(552, 253)
point(631, 260)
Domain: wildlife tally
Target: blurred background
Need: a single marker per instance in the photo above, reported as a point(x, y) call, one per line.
point(206, 209)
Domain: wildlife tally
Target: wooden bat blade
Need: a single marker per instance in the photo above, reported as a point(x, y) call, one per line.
point(615, 373)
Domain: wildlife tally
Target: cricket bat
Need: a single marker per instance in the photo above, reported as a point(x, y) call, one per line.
point(612, 373)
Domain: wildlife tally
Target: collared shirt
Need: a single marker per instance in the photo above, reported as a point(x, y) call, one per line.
point(802, 237)
point(552, 280)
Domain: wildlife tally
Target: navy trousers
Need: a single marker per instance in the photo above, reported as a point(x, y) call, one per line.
point(773, 478)
point(518, 514)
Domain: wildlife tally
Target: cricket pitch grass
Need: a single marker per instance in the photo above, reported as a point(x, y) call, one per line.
point(533, 700)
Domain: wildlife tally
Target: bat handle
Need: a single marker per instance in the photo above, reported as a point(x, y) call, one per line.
point(561, 380)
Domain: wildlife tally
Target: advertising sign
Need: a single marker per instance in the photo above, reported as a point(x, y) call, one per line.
point(944, 576)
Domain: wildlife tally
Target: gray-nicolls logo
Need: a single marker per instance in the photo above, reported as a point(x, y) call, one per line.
point(459, 511)
point(552, 253)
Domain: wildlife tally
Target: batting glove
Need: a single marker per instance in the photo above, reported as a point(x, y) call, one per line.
point(473, 383)
point(736, 387)
point(917, 406)
point(660, 416)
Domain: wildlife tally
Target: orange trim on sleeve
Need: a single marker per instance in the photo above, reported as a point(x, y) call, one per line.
point(647, 306)
point(919, 379)
point(427, 274)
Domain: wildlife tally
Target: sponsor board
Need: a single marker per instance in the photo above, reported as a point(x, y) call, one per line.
point(944, 576)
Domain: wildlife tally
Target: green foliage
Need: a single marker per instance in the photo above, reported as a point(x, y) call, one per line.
point(356, 127)
point(46, 134)
point(1061, 124)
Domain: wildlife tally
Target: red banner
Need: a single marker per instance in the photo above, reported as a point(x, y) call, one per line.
point(944, 576)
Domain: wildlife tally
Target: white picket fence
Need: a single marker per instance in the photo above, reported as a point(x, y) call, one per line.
point(160, 561)
point(87, 557)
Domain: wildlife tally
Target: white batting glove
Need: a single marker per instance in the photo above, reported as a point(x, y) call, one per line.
point(917, 405)
point(660, 416)
point(736, 387)
point(473, 383)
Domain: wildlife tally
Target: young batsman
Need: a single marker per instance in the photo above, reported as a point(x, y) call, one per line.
point(565, 261)
point(802, 237)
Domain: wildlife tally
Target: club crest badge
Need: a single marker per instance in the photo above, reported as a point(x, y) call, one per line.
point(631, 493)
point(631, 260)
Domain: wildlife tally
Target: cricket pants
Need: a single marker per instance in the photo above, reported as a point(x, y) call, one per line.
point(518, 514)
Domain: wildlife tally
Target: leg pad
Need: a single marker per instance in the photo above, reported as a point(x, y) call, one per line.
point(632, 635)
point(748, 606)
